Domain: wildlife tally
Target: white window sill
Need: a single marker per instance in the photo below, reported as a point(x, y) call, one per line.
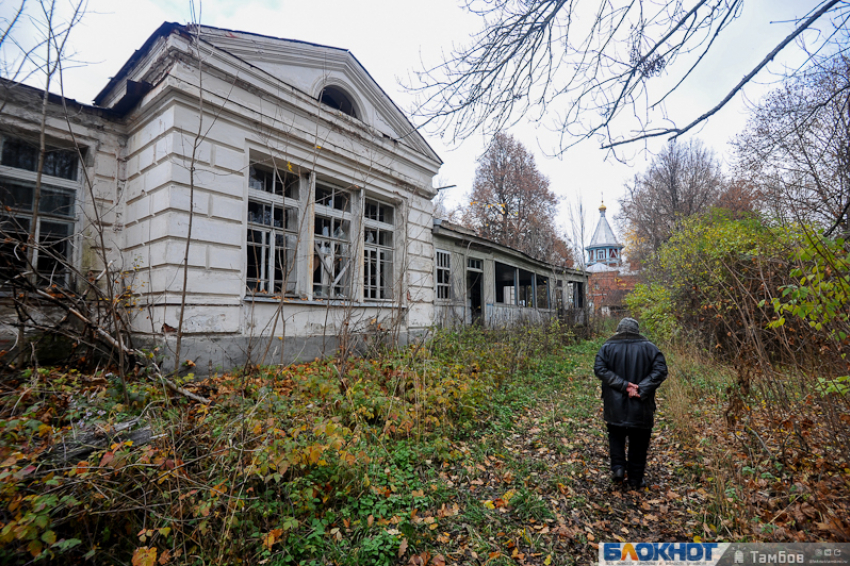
point(323, 303)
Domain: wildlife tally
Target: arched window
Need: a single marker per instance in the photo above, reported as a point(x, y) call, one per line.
point(337, 99)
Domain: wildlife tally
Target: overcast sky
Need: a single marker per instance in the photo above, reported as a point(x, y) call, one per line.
point(391, 38)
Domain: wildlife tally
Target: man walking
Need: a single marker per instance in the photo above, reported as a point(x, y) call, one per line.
point(631, 369)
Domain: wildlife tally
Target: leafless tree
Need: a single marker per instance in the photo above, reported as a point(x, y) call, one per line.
point(49, 296)
point(796, 147)
point(601, 68)
point(511, 203)
point(682, 180)
point(579, 225)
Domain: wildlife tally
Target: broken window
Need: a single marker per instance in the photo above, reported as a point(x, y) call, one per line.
point(272, 231)
point(54, 228)
point(333, 198)
point(444, 275)
point(276, 182)
point(272, 239)
point(332, 243)
point(379, 212)
point(378, 251)
point(53, 231)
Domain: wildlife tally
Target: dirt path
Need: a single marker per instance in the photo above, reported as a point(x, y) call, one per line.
point(536, 489)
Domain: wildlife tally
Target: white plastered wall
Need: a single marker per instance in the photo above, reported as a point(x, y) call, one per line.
point(242, 119)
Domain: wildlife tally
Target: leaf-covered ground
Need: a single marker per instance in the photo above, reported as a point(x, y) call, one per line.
point(533, 486)
point(481, 449)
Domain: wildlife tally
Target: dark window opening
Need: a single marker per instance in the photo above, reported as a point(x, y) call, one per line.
point(379, 212)
point(474, 295)
point(444, 275)
point(578, 294)
point(526, 288)
point(281, 183)
point(23, 155)
point(54, 231)
point(338, 100)
point(271, 248)
point(332, 198)
point(542, 292)
point(505, 277)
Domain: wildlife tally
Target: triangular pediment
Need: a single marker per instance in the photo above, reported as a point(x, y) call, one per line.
point(310, 67)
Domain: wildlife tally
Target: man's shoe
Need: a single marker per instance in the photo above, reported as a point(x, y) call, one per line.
point(637, 484)
point(618, 475)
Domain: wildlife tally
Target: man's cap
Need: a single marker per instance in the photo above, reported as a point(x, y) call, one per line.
point(628, 325)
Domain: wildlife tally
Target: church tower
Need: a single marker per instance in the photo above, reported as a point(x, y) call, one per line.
point(604, 249)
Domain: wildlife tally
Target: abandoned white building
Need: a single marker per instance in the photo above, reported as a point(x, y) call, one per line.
point(311, 213)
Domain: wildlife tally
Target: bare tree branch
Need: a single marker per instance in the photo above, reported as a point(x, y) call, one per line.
point(589, 66)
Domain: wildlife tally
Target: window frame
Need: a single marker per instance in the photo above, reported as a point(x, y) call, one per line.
point(330, 260)
point(542, 290)
point(501, 289)
point(267, 195)
point(67, 187)
point(378, 255)
point(444, 286)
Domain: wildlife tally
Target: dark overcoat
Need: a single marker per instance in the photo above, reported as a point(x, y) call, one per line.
point(629, 358)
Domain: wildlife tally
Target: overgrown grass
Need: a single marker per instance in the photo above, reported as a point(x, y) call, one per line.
point(486, 446)
point(314, 464)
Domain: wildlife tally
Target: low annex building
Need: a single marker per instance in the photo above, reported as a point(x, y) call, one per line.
point(482, 282)
point(309, 190)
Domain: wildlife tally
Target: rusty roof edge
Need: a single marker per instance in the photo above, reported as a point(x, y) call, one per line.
point(164, 30)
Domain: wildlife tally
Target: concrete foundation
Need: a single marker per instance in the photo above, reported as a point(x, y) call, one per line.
point(215, 354)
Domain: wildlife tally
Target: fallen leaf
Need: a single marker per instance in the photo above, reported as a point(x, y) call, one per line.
point(144, 556)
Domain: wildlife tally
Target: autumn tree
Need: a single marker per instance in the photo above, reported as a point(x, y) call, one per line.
point(796, 147)
point(601, 68)
point(739, 197)
point(511, 203)
point(683, 180)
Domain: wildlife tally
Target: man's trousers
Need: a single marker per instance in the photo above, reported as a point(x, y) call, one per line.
point(635, 466)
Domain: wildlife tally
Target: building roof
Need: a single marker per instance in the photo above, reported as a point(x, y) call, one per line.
point(451, 230)
point(599, 268)
point(603, 237)
point(263, 52)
